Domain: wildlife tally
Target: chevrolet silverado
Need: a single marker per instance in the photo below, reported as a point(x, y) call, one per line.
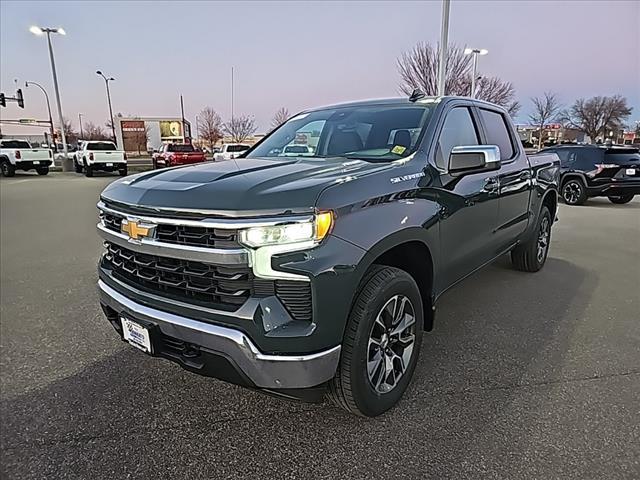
point(316, 275)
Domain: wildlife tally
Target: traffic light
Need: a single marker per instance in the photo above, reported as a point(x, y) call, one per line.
point(20, 98)
point(3, 102)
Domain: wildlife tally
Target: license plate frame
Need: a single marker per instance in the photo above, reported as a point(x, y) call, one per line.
point(630, 172)
point(109, 164)
point(36, 162)
point(136, 334)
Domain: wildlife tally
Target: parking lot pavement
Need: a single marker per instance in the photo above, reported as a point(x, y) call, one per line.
point(525, 376)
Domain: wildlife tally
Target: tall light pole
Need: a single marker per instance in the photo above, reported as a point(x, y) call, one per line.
point(66, 163)
point(444, 48)
point(475, 52)
point(231, 95)
point(80, 120)
point(106, 82)
point(46, 96)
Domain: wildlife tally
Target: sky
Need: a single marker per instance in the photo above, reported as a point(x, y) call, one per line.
point(300, 55)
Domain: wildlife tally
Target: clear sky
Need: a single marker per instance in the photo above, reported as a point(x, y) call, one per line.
point(302, 54)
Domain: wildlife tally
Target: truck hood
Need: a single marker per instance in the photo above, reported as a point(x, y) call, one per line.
point(242, 186)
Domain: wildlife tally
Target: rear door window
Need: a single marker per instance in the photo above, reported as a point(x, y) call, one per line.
point(498, 133)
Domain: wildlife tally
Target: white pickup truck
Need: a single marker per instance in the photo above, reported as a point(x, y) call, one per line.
point(99, 155)
point(20, 155)
point(230, 150)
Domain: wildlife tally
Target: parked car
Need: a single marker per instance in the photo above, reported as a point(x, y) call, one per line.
point(230, 151)
point(173, 154)
point(312, 275)
point(100, 155)
point(20, 155)
point(598, 171)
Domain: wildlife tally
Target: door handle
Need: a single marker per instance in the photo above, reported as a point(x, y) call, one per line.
point(526, 175)
point(492, 185)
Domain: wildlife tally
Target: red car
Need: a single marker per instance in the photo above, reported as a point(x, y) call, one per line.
point(173, 154)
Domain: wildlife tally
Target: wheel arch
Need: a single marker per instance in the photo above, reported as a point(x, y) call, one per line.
point(404, 250)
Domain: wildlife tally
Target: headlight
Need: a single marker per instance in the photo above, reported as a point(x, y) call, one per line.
point(313, 230)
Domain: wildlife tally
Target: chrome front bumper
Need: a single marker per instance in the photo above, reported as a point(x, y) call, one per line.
point(264, 371)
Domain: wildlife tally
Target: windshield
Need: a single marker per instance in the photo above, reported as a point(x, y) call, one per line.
point(101, 146)
point(368, 132)
point(15, 144)
point(181, 148)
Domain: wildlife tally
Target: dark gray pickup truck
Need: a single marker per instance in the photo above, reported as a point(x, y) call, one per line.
point(317, 273)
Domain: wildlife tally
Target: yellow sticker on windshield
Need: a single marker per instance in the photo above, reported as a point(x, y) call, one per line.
point(398, 149)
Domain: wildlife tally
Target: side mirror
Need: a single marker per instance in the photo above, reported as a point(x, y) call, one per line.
point(474, 158)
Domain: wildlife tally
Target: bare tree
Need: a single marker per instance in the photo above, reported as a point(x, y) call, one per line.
point(94, 132)
point(281, 116)
point(418, 68)
point(545, 110)
point(240, 128)
point(597, 115)
point(210, 126)
point(69, 132)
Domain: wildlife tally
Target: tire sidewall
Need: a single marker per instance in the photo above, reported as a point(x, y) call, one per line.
point(369, 401)
point(581, 197)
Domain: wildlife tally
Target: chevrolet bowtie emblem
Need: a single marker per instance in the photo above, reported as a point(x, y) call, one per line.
point(136, 230)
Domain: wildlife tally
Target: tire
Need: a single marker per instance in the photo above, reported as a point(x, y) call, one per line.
point(76, 166)
point(43, 171)
point(88, 170)
point(574, 192)
point(354, 388)
point(155, 164)
point(621, 199)
point(531, 255)
point(7, 169)
point(123, 172)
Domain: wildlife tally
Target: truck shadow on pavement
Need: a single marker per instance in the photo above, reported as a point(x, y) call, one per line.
point(497, 333)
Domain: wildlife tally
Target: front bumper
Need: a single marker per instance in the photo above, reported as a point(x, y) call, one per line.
point(213, 350)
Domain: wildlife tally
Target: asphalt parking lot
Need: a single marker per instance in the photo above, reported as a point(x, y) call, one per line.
point(526, 376)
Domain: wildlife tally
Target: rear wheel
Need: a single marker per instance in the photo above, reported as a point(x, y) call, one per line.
point(574, 192)
point(88, 170)
point(531, 255)
point(7, 169)
point(43, 170)
point(621, 199)
point(381, 343)
point(123, 172)
point(76, 166)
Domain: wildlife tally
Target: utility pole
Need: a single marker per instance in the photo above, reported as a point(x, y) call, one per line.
point(66, 163)
point(184, 130)
point(46, 96)
point(232, 95)
point(80, 120)
point(444, 47)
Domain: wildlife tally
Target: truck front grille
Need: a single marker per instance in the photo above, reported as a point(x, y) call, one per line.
point(227, 288)
point(184, 234)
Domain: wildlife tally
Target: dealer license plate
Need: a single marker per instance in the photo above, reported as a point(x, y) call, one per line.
point(136, 334)
point(630, 171)
point(109, 164)
point(36, 163)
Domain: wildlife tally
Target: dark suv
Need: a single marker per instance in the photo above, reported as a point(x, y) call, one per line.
point(598, 171)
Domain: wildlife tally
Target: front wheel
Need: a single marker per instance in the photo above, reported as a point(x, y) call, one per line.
point(381, 343)
point(531, 255)
point(88, 170)
point(574, 192)
point(76, 166)
point(621, 199)
point(43, 171)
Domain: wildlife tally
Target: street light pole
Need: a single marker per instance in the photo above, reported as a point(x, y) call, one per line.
point(46, 96)
point(66, 163)
point(475, 52)
point(444, 48)
point(80, 120)
point(113, 123)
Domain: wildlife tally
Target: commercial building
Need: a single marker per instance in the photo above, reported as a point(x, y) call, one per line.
point(143, 134)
